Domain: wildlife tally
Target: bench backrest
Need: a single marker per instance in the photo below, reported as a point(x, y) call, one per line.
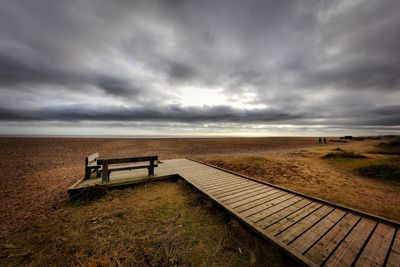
point(153, 159)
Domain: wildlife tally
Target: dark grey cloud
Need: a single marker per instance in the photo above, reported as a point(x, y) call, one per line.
point(378, 116)
point(170, 113)
point(180, 71)
point(282, 62)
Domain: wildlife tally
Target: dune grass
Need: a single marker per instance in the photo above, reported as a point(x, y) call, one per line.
point(391, 147)
point(391, 143)
point(339, 153)
point(381, 171)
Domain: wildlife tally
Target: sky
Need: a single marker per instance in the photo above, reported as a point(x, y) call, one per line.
point(175, 67)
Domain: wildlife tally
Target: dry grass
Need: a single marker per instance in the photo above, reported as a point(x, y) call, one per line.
point(159, 224)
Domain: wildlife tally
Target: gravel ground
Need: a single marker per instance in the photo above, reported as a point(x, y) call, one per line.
point(35, 172)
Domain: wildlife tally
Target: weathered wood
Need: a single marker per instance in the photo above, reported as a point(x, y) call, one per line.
point(242, 188)
point(106, 169)
point(215, 182)
point(313, 234)
point(127, 168)
point(377, 247)
point(258, 201)
point(244, 194)
point(226, 186)
point(394, 255)
point(93, 157)
point(91, 164)
point(236, 185)
point(273, 209)
point(248, 199)
point(327, 244)
point(347, 251)
point(151, 168)
point(274, 218)
point(105, 175)
point(87, 170)
point(218, 184)
point(255, 209)
point(222, 183)
point(126, 160)
point(292, 219)
point(290, 233)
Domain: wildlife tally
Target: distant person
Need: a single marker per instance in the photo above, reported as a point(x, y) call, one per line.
point(324, 140)
point(320, 140)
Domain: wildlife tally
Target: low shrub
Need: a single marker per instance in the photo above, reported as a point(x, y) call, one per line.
point(343, 154)
point(381, 171)
point(393, 143)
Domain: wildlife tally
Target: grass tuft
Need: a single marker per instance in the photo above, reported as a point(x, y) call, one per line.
point(393, 143)
point(87, 195)
point(343, 154)
point(391, 147)
point(380, 171)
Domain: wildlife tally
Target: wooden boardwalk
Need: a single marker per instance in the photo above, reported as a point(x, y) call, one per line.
point(312, 231)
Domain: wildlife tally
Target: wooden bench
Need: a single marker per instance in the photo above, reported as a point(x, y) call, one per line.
point(91, 164)
point(106, 169)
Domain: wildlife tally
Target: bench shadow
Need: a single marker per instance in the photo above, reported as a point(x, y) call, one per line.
point(87, 195)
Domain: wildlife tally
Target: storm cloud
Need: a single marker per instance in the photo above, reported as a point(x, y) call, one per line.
point(316, 65)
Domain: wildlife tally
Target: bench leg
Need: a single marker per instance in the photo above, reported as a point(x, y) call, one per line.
point(87, 170)
point(151, 169)
point(87, 173)
point(105, 173)
point(149, 172)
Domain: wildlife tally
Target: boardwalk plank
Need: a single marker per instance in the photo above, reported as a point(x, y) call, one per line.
point(222, 185)
point(313, 234)
point(273, 209)
point(237, 190)
point(245, 194)
point(230, 190)
point(375, 252)
point(226, 185)
point(324, 247)
point(261, 197)
point(347, 251)
point(262, 206)
point(394, 256)
point(292, 219)
point(295, 230)
point(274, 218)
point(209, 182)
point(202, 178)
